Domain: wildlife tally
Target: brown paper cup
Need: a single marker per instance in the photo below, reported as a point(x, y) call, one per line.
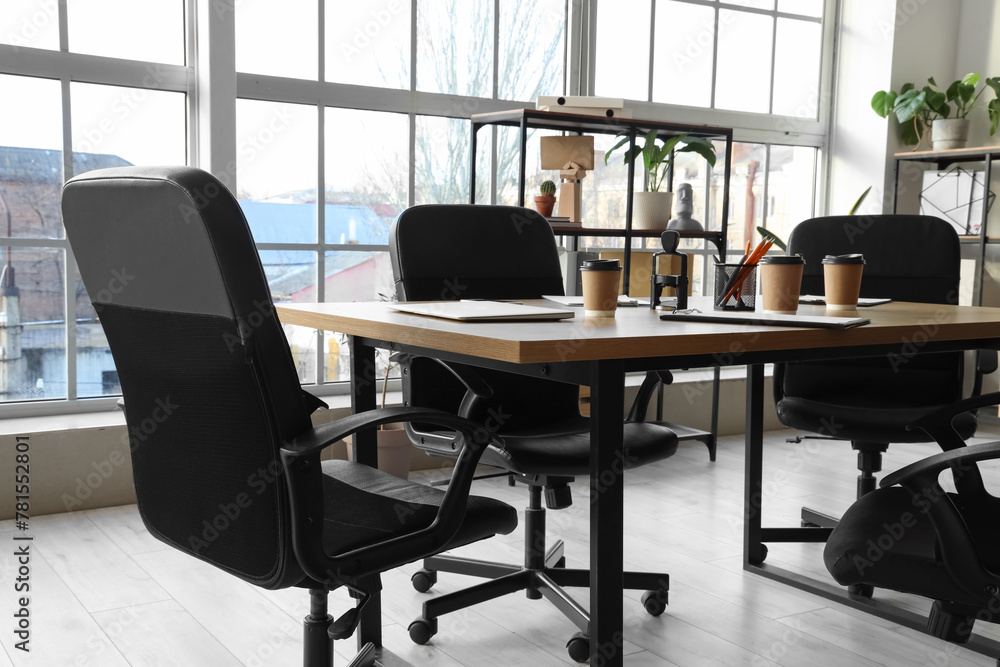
point(842, 283)
point(780, 285)
point(600, 292)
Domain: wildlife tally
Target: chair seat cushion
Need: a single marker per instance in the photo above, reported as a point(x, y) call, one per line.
point(364, 505)
point(564, 448)
point(886, 539)
point(860, 422)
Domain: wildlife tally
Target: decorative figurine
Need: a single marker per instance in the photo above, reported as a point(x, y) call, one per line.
point(685, 207)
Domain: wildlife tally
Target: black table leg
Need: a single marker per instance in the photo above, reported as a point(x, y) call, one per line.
point(363, 376)
point(753, 550)
point(607, 498)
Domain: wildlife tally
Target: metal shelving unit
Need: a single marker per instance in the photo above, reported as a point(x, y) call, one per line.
point(525, 119)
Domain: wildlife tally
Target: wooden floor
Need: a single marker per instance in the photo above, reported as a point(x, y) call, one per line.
point(104, 593)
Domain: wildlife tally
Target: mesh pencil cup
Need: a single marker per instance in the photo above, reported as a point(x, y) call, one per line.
point(743, 297)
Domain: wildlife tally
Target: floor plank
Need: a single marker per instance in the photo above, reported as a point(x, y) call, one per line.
point(110, 594)
point(162, 634)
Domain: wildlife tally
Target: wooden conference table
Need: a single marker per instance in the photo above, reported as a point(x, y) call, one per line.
point(598, 352)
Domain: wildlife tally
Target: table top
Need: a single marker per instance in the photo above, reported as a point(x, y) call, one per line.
point(639, 333)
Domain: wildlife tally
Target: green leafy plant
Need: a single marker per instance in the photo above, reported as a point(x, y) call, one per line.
point(657, 154)
point(915, 108)
point(547, 189)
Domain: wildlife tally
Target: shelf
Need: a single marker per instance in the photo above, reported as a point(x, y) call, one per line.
point(577, 230)
point(551, 120)
point(523, 119)
point(955, 155)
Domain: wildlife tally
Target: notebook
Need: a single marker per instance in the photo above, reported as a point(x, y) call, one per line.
point(481, 311)
point(768, 319)
point(863, 302)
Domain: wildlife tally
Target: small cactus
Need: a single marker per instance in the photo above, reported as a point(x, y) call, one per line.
point(548, 189)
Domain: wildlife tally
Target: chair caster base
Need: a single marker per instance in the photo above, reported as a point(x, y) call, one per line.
point(423, 580)
point(422, 629)
point(578, 647)
point(655, 602)
point(861, 590)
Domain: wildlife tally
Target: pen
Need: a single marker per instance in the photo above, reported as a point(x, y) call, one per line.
point(732, 279)
point(744, 269)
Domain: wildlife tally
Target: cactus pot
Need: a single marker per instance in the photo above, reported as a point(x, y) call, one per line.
point(544, 204)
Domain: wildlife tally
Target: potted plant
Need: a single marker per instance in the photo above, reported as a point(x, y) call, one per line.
point(651, 207)
point(546, 199)
point(918, 110)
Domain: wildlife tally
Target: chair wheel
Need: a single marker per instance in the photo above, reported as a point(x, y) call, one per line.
point(763, 555)
point(862, 590)
point(424, 580)
point(654, 602)
point(578, 647)
point(421, 630)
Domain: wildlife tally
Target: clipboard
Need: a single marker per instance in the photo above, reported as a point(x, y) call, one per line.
point(481, 311)
point(766, 319)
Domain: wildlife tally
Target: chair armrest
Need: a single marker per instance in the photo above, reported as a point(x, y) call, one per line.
point(957, 548)
point(476, 388)
point(303, 471)
point(957, 459)
point(937, 424)
point(637, 413)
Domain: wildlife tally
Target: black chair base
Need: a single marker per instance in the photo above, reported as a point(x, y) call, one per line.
point(543, 575)
point(549, 582)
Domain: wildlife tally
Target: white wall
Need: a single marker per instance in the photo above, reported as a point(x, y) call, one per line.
point(858, 137)
point(979, 51)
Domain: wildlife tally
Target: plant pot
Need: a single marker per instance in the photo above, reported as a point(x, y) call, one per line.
point(651, 210)
point(544, 204)
point(949, 133)
point(394, 450)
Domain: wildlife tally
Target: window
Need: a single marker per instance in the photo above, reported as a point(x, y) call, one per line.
point(130, 107)
point(390, 130)
point(344, 114)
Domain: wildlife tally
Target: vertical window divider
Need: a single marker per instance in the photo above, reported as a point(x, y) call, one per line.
point(652, 49)
point(774, 52)
point(69, 263)
point(715, 57)
point(411, 178)
point(321, 188)
point(766, 208)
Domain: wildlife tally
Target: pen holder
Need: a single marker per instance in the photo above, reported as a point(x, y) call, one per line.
point(743, 297)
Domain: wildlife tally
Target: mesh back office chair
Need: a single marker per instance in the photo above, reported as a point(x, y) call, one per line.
point(232, 473)
point(445, 252)
point(916, 538)
point(872, 401)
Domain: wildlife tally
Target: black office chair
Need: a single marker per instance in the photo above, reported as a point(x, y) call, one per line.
point(872, 401)
point(449, 252)
point(229, 470)
point(916, 538)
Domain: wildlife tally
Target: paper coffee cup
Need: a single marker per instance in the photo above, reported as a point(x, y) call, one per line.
point(842, 280)
point(781, 280)
point(600, 279)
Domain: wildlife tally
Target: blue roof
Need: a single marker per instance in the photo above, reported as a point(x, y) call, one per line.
point(272, 222)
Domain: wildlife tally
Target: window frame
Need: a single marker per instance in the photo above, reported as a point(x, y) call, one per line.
point(212, 85)
point(65, 67)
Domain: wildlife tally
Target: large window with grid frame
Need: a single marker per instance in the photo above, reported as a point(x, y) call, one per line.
point(342, 115)
point(79, 94)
